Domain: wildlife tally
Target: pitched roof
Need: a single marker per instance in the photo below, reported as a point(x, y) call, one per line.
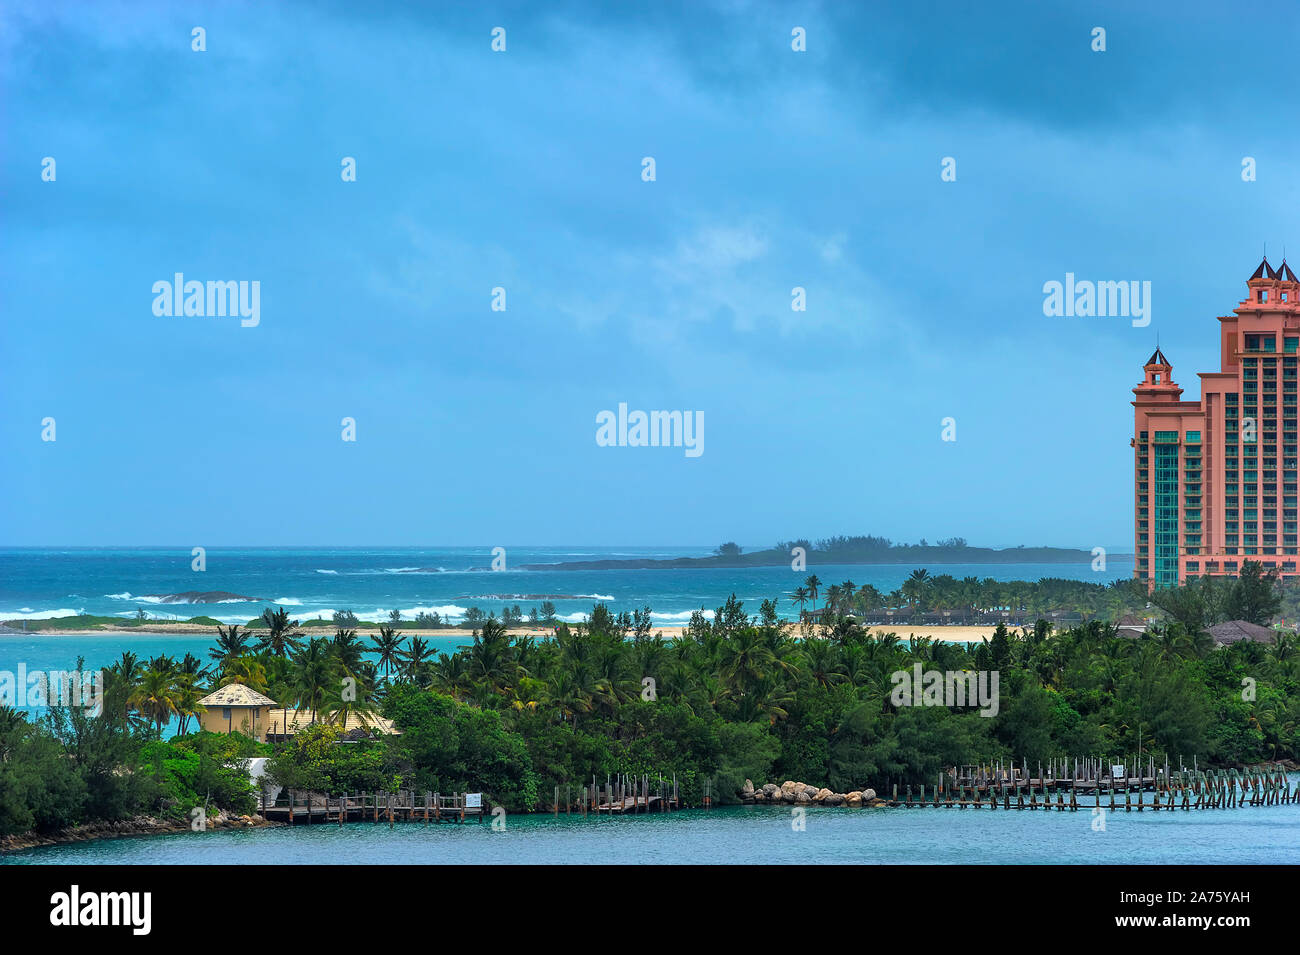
point(1235, 631)
point(1264, 268)
point(1158, 358)
point(1285, 274)
point(236, 694)
point(297, 720)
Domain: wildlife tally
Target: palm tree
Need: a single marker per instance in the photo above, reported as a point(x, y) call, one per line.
point(489, 656)
point(847, 590)
point(187, 703)
point(347, 652)
point(122, 676)
point(248, 670)
point(155, 696)
point(823, 665)
point(915, 587)
point(231, 642)
point(746, 660)
point(192, 666)
point(388, 644)
point(449, 674)
point(813, 583)
point(415, 658)
point(313, 675)
point(279, 638)
point(800, 597)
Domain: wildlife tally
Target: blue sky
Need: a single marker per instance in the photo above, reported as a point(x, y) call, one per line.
point(522, 169)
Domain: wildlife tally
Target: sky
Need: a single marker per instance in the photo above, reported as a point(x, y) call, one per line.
point(522, 169)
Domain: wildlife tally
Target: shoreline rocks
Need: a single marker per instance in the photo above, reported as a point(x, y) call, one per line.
point(136, 826)
point(792, 793)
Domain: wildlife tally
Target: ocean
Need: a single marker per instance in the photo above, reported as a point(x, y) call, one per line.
point(38, 584)
point(53, 582)
point(748, 835)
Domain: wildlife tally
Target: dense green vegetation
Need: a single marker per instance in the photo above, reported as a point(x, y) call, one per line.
point(739, 696)
point(736, 696)
point(73, 767)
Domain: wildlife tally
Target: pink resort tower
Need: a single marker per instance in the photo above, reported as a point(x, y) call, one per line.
point(1215, 480)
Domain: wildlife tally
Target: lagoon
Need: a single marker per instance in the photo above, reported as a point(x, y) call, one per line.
point(738, 835)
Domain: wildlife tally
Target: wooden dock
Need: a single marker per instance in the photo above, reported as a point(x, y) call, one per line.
point(621, 794)
point(1062, 785)
point(1090, 784)
point(403, 806)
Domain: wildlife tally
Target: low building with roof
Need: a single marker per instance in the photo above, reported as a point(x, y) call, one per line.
point(235, 708)
point(1235, 631)
point(287, 721)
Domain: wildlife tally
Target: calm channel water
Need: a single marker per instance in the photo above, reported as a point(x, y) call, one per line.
point(738, 835)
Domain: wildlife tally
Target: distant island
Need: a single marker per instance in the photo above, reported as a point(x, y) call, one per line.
point(864, 549)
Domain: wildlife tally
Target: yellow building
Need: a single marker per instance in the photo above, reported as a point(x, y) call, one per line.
point(236, 709)
point(287, 722)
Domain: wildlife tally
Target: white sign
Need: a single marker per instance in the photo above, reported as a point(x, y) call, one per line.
point(473, 800)
point(1116, 772)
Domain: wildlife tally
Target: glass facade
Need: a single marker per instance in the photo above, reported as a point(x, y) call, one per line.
point(1165, 554)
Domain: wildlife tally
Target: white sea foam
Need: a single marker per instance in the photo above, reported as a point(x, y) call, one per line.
point(286, 601)
point(410, 613)
point(685, 615)
point(319, 571)
point(126, 595)
point(28, 614)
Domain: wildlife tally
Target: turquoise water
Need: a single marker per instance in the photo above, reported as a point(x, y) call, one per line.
point(41, 583)
point(741, 836)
